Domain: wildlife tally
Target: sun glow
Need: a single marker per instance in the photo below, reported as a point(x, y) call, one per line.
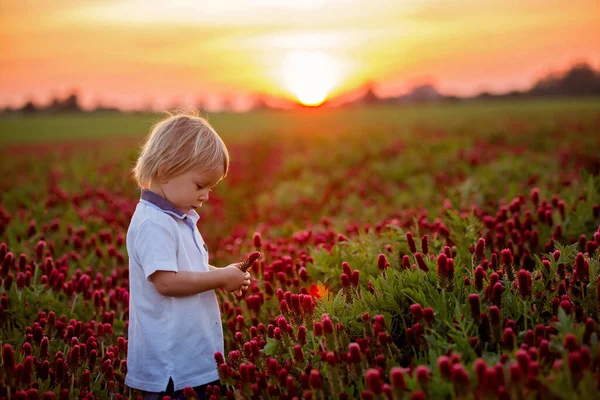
point(310, 76)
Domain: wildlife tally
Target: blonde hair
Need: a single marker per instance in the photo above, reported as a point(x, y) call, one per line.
point(177, 144)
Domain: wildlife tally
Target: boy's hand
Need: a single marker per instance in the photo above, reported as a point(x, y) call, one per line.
point(245, 266)
point(244, 286)
point(233, 278)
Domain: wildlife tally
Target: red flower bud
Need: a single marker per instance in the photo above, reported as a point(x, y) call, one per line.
point(298, 353)
point(535, 196)
point(382, 262)
point(188, 392)
point(371, 287)
point(460, 378)
point(241, 322)
point(26, 349)
point(516, 373)
point(447, 251)
point(20, 280)
point(355, 353)
point(421, 262)
point(39, 250)
point(374, 382)
point(308, 305)
point(586, 357)
point(302, 335)
point(367, 395)
point(479, 248)
point(475, 305)
point(497, 291)
point(479, 277)
point(283, 307)
point(251, 371)
point(582, 268)
point(571, 342)
point(331, 359)
point(405, 262)
point(397, 378)
point(302, 273)
point(346, 268)
point(590, 248)
point(507, 258)
point(547, 266)
point(345, 280)
point(428, 314)
point(290, 385)
point(318, 328)
point(219, 358)
point(327, 325)
point(494, 262)
point(422, 374)
point(247, 263)
point(315, 379)
point(417, 312)
point(411, 242)
point(418, 395)
point(575, 364)
point(355, 278)
point(85, 380)
point(525, 283)
point(257, 241)
point(442, 265)
point(424, 244)
point(508, 339)
point(450, 268)
point(444, 366)
point(480, 368)
point(566, 306)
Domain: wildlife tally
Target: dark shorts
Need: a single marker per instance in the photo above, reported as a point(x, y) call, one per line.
point(169, 391)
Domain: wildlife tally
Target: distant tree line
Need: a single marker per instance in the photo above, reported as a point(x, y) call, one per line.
point(70, 104)
point(579, 81)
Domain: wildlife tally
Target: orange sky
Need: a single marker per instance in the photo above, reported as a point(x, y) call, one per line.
point(134, 52)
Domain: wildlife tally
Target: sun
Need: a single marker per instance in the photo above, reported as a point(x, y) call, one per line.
point(310, 76)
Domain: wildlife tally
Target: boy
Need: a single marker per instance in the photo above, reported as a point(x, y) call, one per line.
point(174, 319)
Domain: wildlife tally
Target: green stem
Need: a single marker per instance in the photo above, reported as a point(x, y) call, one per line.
point(74, 302)
point(525, 313)
point(35, 274)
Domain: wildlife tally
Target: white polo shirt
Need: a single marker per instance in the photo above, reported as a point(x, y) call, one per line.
point(168, 336)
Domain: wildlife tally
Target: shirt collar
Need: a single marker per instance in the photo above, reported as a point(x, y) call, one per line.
point(166, 206)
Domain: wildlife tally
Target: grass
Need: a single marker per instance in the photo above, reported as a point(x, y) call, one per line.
point(40, 128)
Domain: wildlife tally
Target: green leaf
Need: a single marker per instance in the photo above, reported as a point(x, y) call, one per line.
point(270, 348)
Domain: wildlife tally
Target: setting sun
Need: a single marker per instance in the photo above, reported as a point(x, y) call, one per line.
point(310, 76)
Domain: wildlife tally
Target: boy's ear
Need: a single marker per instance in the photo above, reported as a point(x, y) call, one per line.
point(160, 175)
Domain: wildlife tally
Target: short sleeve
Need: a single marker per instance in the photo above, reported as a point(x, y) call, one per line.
point(156, 248)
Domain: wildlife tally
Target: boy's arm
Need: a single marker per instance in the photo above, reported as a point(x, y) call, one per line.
point(187, 283)
point(211, 267)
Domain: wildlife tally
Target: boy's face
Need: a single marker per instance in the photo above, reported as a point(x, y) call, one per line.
point(190, 189)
